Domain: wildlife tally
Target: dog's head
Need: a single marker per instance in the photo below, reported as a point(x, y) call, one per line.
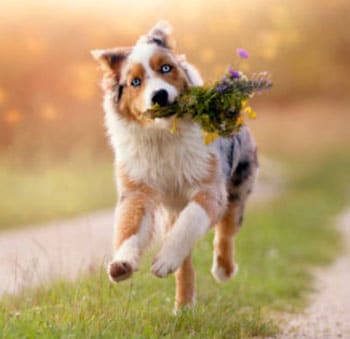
point(136, 78)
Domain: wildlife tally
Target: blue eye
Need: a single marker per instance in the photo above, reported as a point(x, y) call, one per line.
point(166, 68)
point(136, 82)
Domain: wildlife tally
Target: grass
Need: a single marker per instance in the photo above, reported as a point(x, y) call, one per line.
point(44, 193)
point(278, 244)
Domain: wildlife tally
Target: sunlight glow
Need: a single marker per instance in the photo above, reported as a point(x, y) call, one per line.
point(3, 96)
point(12, 117)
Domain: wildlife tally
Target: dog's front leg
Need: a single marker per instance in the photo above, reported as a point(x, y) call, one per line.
point(193, 222)
point(133, 222)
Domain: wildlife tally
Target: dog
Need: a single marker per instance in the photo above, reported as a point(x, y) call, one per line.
point(170, 186)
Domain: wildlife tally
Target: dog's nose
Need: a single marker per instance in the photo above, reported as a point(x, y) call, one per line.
point(160, 97)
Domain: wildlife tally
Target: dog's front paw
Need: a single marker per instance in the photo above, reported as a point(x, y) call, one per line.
point(119, 270)
point(164, 264)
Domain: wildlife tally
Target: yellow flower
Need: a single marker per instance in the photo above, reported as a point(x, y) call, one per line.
point(244, 103)
point(209, 137)
point(240, 121)
point(174, 126)
point(250, 112)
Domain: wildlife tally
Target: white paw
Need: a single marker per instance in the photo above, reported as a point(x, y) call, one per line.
point(165, 263)
point(221, 274)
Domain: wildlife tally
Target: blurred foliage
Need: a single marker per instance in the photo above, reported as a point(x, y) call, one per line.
point(51, 191)
point(49, 97)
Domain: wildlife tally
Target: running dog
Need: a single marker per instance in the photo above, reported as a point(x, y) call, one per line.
point(170, 186)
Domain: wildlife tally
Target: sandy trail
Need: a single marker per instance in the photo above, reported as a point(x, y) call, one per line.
point(62, 249)
point(328, 315)
point(36, 255)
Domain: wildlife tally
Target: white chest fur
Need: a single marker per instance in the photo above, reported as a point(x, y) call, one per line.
point(171, 164)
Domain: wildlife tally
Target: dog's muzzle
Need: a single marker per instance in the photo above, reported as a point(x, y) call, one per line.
point(160, 97)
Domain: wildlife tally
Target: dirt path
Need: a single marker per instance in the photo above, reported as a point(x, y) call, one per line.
point(36, 255)
point(328, 315)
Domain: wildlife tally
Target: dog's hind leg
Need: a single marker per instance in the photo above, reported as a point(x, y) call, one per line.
point(185, 284)
point(239, 189)
point(223, 266)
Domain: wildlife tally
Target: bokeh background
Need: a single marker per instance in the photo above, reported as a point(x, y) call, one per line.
point(54, 158)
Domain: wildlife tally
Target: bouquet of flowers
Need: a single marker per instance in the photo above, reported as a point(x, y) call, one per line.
point(217, 108)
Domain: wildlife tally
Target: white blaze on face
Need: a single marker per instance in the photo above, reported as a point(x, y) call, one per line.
point(142, 54)
point(152, 86)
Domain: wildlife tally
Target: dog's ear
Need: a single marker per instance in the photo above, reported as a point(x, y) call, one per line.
point(160, 34)
point(111, 60)
point(193, 76)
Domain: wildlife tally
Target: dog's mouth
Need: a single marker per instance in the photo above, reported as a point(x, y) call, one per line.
point(160, 112)
point(161, 107)
point(160, 98)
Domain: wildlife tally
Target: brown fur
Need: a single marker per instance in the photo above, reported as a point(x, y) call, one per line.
point(132, 204)
point(111, 60)
point(208, 202)
point(131, 209)
point(130, 102)
point(185, 283)
point(175, 77)
point(224, 233)
point(129, 185)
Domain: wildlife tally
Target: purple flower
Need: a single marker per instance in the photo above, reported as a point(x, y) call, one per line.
point(242, 53)
point(234, 74)
point(221, 88)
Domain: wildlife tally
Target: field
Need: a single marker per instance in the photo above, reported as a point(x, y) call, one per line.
point(278, 244)
point(54, 190)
